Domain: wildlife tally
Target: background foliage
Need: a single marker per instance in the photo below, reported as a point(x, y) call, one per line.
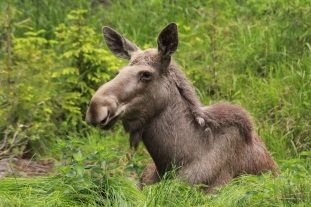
point(254, 53)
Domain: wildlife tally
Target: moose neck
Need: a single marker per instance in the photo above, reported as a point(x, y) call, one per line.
point(167, 134)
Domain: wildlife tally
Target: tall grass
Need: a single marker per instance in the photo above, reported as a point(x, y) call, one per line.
point(292, 188)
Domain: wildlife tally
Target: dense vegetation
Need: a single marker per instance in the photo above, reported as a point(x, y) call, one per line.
point(52, 59)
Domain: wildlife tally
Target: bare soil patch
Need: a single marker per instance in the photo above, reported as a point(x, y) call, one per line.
point(20, 167)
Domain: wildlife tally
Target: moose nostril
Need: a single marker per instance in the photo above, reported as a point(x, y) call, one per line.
point(97, 115)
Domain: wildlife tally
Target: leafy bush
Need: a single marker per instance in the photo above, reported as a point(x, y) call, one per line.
point(44, 94)
point(26, 93)
point(96, 174)
point(84, 67)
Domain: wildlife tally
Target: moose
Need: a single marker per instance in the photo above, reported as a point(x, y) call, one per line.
point(157, 104)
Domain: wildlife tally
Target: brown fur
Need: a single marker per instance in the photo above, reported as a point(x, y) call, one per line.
point(158, 105)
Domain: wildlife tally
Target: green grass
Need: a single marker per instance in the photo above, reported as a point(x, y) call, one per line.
point(291, 188)
point(101, 171)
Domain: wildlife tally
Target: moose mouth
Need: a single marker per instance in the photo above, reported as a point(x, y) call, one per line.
point(108, 124)
point(111, 119)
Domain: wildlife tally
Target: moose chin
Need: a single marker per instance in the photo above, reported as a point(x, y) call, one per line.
point(157, 105)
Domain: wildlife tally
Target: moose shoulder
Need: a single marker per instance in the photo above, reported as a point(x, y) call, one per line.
point(158, 106)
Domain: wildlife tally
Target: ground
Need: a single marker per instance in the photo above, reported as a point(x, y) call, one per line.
point(16, 166)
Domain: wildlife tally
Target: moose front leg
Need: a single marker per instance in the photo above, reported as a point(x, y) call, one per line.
point(149, 176)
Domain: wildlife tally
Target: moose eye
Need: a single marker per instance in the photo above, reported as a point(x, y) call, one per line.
point(145, 76)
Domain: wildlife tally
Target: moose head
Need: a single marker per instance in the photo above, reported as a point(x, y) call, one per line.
point(133, 95)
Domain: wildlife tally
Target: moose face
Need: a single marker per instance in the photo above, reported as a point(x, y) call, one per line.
point(140, 90)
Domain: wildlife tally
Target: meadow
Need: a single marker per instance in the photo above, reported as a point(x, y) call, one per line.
point(53, 58)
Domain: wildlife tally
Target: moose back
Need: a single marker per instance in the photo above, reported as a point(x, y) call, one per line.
point(158, 106)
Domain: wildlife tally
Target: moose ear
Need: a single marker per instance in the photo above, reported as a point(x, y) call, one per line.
point(167, 43)
point(118, 44)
